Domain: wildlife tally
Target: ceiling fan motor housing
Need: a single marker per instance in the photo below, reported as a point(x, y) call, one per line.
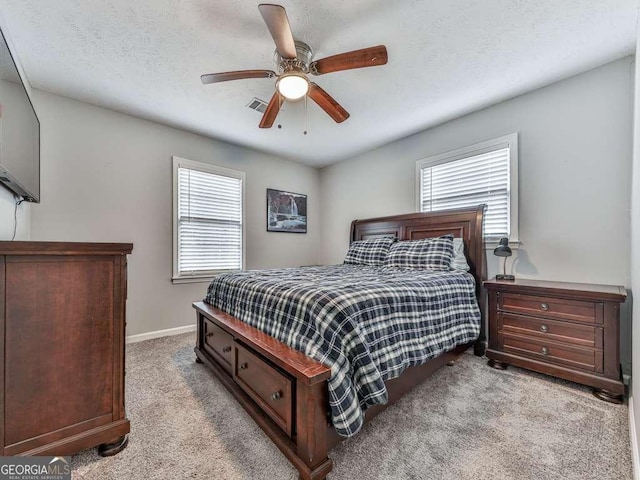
point(304, 55)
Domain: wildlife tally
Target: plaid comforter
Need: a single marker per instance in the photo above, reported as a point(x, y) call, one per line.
point(368, 324)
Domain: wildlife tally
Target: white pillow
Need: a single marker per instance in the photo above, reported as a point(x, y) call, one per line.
point(459, 261)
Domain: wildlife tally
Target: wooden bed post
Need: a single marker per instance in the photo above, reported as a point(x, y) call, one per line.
point(480, 276)
point(311, 427)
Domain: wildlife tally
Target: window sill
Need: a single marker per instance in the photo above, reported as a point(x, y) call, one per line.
point(206, 278)
point(178, 280)
point(492, 244)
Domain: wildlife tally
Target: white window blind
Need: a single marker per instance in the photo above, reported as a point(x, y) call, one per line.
point(209, 222)
point(472, 176)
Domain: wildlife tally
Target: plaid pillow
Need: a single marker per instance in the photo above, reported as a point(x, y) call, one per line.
point(425, 254)
point(370, 252)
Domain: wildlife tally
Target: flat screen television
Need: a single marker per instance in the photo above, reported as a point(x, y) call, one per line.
point(19, 131)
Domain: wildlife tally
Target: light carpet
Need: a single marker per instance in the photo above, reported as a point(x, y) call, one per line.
point(468, 421)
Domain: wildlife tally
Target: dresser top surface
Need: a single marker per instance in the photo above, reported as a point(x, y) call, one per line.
point(64, 248)
point(522, 285)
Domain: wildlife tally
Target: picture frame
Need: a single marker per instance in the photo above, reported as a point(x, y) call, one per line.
point(286, 211)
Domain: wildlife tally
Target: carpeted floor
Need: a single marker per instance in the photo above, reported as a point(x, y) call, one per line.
point(466, 422)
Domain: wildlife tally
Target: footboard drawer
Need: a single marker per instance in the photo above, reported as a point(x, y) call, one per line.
point(218, 343)
point(268, 386)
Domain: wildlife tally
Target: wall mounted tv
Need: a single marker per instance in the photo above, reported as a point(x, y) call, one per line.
point(19, 131)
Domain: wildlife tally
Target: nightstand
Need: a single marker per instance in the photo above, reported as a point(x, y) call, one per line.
point(568, 330)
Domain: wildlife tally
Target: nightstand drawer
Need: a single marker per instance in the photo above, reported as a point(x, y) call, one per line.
point(576, 357)
point(545, 329)
point(550, 307)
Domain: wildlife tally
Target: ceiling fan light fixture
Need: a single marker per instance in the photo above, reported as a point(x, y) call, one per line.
point(293, 85)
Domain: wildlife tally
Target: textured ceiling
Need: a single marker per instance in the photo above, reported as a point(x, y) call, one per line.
point(446, 58)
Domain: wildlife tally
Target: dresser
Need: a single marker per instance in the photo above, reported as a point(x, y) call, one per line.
point(62, 322)
point(568, 330)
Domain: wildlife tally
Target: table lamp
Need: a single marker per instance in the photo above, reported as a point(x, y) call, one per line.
point(503, 250)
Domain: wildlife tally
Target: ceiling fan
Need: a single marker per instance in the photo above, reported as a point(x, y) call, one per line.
point(294, 59)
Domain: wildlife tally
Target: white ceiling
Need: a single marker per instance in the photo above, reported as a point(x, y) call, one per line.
point(446, 58)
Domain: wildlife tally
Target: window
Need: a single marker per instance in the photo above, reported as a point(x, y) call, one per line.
point(483, 173)
point(208, 227)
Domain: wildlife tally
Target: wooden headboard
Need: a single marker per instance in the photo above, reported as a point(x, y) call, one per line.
point(464, 223)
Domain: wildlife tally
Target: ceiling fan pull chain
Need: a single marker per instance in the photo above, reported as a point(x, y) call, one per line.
point(306, 98)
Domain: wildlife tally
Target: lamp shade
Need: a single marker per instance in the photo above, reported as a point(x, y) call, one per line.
point(503, 249)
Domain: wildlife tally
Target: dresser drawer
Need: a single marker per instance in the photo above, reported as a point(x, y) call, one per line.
point(548, 307)
point(572, 356)
point(270, 388)
point(557, 331)
point(219, 344)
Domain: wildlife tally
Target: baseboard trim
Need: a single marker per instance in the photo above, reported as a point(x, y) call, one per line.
point(635, 454)
point(141, 337)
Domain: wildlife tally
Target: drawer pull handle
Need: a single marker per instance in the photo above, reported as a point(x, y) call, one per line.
point(210, 334)
point(544, 328)
point(544, 350)
point(276, 395)
point(226, 349)
point(243, 366)
point(544, 306)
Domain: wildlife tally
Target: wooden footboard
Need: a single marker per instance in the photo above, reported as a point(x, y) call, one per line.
point(285, 391)
point(282, 389)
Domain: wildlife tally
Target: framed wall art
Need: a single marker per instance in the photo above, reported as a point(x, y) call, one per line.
point(286, 211)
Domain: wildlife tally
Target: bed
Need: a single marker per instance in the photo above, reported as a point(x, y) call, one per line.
point(294, 397)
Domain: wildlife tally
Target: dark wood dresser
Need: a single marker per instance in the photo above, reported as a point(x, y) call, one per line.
point(568, 330)
point(62, 321)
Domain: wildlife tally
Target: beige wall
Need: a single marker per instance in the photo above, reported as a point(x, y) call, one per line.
point(574, 179)
point(574, 176)
point(106, 177)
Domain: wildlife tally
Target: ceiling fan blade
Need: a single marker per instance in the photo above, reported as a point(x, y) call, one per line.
point(277, 22)
point(327, 103)
point(271, 112)
point(367, 57)
point(237, 75)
